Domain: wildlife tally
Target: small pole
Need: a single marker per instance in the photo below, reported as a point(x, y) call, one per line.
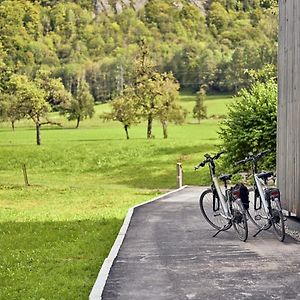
point(179, 175)
point(25, 175)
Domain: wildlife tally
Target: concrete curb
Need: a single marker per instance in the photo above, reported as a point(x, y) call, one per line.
point(96, 293)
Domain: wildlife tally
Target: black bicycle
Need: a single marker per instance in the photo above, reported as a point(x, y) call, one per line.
point(266, 211)
point(222, 211)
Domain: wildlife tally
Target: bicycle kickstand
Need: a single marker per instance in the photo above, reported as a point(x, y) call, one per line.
point(260, 230)
point(222, 229)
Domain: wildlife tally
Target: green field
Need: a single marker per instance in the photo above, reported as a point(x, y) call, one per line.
point(55, 233)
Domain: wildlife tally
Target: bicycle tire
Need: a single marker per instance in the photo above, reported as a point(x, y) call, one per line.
point(239, 221)
point(212, 216)
point(277, 220)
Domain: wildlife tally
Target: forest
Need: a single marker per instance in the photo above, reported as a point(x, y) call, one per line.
point(75, 41)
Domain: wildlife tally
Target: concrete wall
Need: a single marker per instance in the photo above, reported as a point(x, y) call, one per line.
point(288, 134)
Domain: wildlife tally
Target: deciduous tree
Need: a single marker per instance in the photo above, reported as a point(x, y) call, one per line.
point(154, 92)
point(31, 102)
point(9, 109)
point(82, 104)
point(169, 110)
point(36, 98)
point(124, 110)
point(200, 110)
point(56, 94)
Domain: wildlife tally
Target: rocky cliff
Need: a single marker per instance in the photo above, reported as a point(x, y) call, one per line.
point(117, 6)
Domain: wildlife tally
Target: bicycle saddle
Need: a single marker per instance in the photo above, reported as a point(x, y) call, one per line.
point(225, 177)
point(265, 175)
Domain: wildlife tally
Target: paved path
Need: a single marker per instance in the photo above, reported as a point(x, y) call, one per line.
point(169, 253)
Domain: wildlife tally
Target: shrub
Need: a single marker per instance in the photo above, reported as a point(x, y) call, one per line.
point(251, 123)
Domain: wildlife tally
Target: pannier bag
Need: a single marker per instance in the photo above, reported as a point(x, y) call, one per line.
point(272, 193)
point(241, 191)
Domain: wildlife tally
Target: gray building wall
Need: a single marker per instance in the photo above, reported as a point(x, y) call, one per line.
point(288, 131)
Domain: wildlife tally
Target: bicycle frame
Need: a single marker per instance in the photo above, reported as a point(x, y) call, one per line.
point(219, 192)
point(260, 185)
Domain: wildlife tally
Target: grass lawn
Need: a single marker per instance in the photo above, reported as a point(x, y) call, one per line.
point(55, 233)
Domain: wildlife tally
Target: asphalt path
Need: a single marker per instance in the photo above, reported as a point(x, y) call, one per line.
point(169, 253)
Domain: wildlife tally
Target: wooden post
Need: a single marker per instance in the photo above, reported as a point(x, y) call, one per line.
point(25, 175)
point(179, 175)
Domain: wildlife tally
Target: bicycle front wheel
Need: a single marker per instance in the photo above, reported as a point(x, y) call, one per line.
point(277, 220)
point(240, 220)
point(212, 210)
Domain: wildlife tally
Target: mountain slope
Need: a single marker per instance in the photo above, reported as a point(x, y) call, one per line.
point(118, 5)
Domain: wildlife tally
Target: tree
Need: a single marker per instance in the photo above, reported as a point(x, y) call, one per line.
point(217, 18)
point(269, 3)
point(82, 105)
point(19, 25)
point(36, 98)
point(145, 89)
point(152, 98)
point(200, 110)
point(31, 102)
point(169, 110)
point(2, 58)
point(171, 113)
point(9, 109)
point(56, 94)
point(124, 110)
point(153, 92)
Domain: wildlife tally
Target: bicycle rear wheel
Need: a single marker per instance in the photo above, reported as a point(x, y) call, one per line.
point(257, 214)
point(212, 210)
point(277, 220)
point(239, 220)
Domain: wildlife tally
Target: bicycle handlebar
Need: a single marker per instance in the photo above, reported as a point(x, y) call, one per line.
point(200, 165)
point(252, 157)
point(262, 154)
point(209, 159)
point(240, 162)
point(218, 155)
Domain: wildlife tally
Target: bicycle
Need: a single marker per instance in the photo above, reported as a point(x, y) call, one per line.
point(222, 211)
point(267, 211)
